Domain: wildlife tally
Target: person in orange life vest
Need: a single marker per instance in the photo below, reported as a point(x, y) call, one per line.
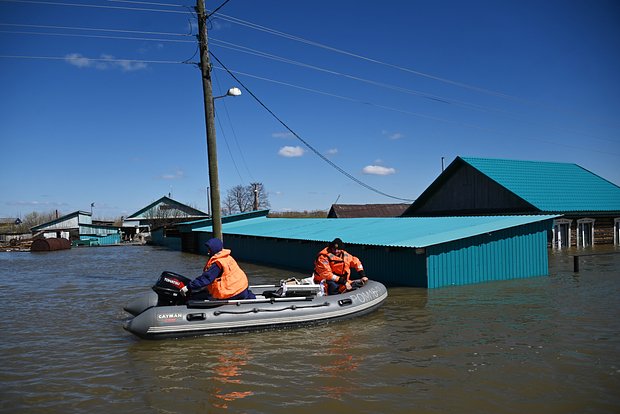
point(333, 265)
point(221, 278)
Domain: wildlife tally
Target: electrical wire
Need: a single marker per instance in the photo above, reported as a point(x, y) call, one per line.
point(475, 88)
point(324, 158)
point(146, 2)
point(217, 8)
point(92, 59)
point(243, 49)
point(231, 125)
point(265, 29)
point(49, 3)
point(39, 26)
point(417, 114)
point(150, 39)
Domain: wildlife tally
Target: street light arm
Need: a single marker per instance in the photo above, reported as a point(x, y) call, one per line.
point(230, 92)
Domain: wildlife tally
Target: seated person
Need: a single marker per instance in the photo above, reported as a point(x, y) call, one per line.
point(333, 265)
point(222, 278)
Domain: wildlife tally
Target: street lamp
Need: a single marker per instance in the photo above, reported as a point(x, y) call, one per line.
point(209, 100)
point(230, 92)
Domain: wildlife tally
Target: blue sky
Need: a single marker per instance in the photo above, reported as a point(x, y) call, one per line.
point(97, 105)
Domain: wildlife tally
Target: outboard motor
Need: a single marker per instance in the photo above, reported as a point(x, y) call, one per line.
point(168, 289)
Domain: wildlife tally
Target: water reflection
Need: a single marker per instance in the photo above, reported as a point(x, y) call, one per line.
point(231, 360)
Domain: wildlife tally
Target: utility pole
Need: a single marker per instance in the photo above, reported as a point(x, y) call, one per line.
point(255, 186)
point(205, 68)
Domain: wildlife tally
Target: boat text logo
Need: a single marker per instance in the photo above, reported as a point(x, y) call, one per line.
point(169, 316)
point(174, 282)
point(368, 296)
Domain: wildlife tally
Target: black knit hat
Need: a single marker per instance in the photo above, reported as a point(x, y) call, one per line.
point(337, 243)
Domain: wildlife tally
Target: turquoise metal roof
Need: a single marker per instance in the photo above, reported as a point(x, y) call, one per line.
point(379, 231)
point(551, 186)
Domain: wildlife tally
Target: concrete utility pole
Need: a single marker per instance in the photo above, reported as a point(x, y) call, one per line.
point(205, 68)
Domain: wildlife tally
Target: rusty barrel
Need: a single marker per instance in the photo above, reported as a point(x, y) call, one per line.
point(48, 245)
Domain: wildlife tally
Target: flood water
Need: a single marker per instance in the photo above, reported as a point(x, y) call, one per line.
point(539, 345)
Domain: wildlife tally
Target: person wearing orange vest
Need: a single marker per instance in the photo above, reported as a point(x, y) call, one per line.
point(222, 278)
point(333, 265)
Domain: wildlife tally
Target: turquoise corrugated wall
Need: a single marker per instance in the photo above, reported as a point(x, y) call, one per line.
point(103, 240)
point(508, 254)
point(392, 266)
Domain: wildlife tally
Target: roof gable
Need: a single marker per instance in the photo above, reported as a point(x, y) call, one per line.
point(526, 186)
point(551, 186)
point(151, 210)
point(71, 220)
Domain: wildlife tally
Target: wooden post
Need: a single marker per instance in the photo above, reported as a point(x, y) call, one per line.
point(576, 264)
point(205, 68)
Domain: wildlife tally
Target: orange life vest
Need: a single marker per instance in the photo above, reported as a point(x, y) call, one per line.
point(232, 281)
point(328, 264)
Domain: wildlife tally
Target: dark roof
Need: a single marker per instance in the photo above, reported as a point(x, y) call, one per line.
point(366, 210)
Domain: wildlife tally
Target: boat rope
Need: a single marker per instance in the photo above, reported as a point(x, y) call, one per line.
point(256, 310)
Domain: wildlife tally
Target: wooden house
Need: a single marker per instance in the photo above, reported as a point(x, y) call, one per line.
point(588, 203)
point(366, 210)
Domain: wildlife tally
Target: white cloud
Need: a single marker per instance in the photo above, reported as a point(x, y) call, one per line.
point(178, 174)
point(21, 203)
point(291, 151)
point(104, 62)
point(393, 135)
point(378, 170)
point(78, 60)
point(332, 151)
point(282, 135)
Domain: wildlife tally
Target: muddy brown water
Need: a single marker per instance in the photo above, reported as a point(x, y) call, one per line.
point(538, 345)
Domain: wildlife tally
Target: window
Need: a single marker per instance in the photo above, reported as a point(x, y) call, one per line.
point(585, 232)
point(617, 232)
point(561, 233)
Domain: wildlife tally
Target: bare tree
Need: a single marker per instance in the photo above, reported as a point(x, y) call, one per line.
point(240, 199)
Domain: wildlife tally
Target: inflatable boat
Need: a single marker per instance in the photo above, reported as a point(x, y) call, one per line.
point(165, 313)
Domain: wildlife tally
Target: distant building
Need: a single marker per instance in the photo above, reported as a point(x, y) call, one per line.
point(366, 210)
point(8, 227)
point(160, 213)
point(589, 204)
point(78, 227)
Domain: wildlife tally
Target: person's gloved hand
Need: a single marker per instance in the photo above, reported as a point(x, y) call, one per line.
point(342, 280)
point(184, 290)
point(362, 273)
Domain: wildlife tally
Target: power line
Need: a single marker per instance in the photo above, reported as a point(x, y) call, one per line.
point(92, 59)
point(475, 88)
point(416, 114)
point(230, 123)
point(147, 2)
point(243, 49)
point(150, 39)
point(324, 158)
point(435, 98)
point(265, 29)
point(217, 8)
point(39, 26)
point(49, 3)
